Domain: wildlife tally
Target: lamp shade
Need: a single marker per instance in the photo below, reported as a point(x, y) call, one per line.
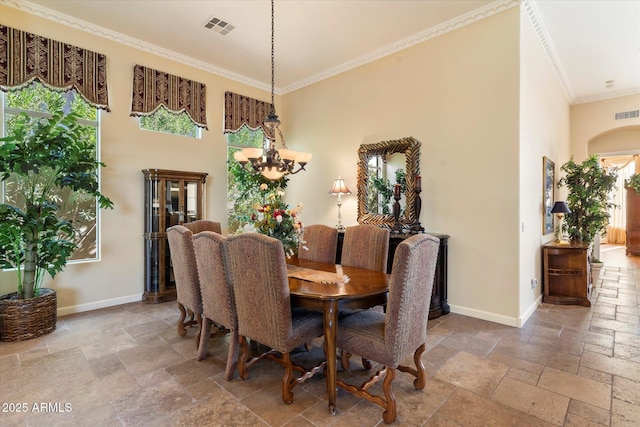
point(560, 207)
point(339, 187)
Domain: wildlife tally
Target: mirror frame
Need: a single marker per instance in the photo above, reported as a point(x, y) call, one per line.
point(411, 149)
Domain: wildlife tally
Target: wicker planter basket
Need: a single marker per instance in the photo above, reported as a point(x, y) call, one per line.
point(23, 319)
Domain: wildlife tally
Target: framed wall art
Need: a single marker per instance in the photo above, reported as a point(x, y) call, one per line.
point(548, 186)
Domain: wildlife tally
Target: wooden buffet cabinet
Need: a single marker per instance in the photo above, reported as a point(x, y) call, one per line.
point(439, 305)
point(566, 272)
point(170, 198)
point(633, 222)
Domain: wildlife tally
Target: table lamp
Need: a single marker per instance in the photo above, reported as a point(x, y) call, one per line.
point(339, 188)
point(560, 208)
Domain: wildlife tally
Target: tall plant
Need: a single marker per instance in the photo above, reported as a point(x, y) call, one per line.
point(43, 157)
point(589, 188)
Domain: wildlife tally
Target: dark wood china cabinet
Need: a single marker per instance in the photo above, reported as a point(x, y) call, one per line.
point(170, 198)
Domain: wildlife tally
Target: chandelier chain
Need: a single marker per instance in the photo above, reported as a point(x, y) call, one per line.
point(273, 66)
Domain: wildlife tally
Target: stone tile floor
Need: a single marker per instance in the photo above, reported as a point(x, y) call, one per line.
point(126, 365)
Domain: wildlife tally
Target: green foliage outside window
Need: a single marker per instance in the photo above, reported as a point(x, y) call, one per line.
point(39, 101)
point(244, 183)
point(163, 120)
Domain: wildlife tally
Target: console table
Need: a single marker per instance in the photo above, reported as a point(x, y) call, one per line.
point(439, 305)
point(567, 279)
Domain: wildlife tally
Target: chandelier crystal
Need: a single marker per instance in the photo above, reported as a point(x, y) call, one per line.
point(271, 162)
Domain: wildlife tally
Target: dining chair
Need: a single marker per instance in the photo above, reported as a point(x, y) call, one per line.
point(185, 271)
point(366, 246)
point(218, 305)
point(390, 338)
point(321, 242)
point(258, 274)
point(200, 225)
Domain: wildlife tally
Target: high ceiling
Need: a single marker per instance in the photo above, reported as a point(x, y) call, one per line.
point(589, 42)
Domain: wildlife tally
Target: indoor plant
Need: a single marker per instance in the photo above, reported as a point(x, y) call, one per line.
point(589, 186)
point(42, 157)
point(634, 182)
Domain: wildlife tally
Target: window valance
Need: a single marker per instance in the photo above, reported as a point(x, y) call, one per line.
point(152, 88)
point(25, 57)
point(241, 110)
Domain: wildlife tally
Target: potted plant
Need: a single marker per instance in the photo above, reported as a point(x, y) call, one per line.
point(41, 157)
point(589, 186)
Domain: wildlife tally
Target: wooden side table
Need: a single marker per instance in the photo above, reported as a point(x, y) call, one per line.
point(567, 279)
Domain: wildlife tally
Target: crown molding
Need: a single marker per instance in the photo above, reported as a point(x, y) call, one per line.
point(604, 96)
point(64, 19)
point(445, 27)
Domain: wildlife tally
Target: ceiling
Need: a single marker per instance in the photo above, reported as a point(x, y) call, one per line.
point(589, 42)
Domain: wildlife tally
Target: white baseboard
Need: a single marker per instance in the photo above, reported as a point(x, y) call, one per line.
point(484, 315)
point(497, 318)
point(532, 309)
point(98, 304)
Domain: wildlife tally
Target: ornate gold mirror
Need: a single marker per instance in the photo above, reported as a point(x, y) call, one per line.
point(379, 167)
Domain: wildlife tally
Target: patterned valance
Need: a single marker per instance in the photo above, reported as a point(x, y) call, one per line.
point(152, 88)
point(25, 57)
point(241, 110)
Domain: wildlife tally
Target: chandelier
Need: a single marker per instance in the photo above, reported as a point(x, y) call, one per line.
point(273, 163)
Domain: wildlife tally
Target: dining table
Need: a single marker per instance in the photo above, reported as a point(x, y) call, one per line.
point(332, 288)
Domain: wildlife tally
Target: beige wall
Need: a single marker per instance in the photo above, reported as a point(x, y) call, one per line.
point(544, 131)
point(126, 150)
point(595, 119)
point(458, 95)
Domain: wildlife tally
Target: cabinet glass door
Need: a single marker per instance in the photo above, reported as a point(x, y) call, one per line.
point(175, 214)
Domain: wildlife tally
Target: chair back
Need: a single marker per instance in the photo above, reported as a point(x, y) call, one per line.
point(203, 225)
point(185, 269)
point(258, 274)
point(366, 246)
point(410, 290)
point(321, 242)
point(217, 296)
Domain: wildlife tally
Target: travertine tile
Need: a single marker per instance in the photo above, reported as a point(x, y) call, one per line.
point(473, 373)
point(626, 390)
point(624, 414)
point(589, 413)
point(613, 365)
point(576, 387)
point(532, 400)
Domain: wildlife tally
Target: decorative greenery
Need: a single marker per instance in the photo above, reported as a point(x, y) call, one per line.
point(274, 218)
point(163, 120)
point(589, 187)
point(381, 192)
point(43, 157)
point(634, 182)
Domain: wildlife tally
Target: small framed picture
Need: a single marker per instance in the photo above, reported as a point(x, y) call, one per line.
point(548, 186)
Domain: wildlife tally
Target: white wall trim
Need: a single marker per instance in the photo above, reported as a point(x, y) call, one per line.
point(484, 315)
point(64, 311)
point(527, 314)
point(451, 25)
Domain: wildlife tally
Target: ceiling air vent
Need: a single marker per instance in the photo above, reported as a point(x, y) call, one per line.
point(627, 115)
point(219, 26)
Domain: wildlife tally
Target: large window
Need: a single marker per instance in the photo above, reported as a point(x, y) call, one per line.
point(163, 120)
point(243, 190)
point(37, 101)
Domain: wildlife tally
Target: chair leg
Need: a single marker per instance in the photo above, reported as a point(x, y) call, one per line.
point(388, 403)
point(183, 314)
point(389, 415)
point(204, 340)
point(242, 360)
point(419, 372)
point(232, 356)
point(287, 395)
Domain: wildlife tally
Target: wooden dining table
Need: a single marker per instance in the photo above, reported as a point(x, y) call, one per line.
point(364, 289)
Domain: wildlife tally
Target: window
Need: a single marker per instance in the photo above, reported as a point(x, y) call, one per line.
point(38, 101)
point(243, 184)
point(163, 120)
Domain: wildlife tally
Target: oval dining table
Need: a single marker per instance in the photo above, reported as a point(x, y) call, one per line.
point(363, 289)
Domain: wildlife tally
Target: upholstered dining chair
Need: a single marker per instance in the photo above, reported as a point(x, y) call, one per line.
point(218, 305)
point(321, 242)
point(185, 271)
point(258, 274)
point(366, 246)
point(390, 338)
point(203, 225)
